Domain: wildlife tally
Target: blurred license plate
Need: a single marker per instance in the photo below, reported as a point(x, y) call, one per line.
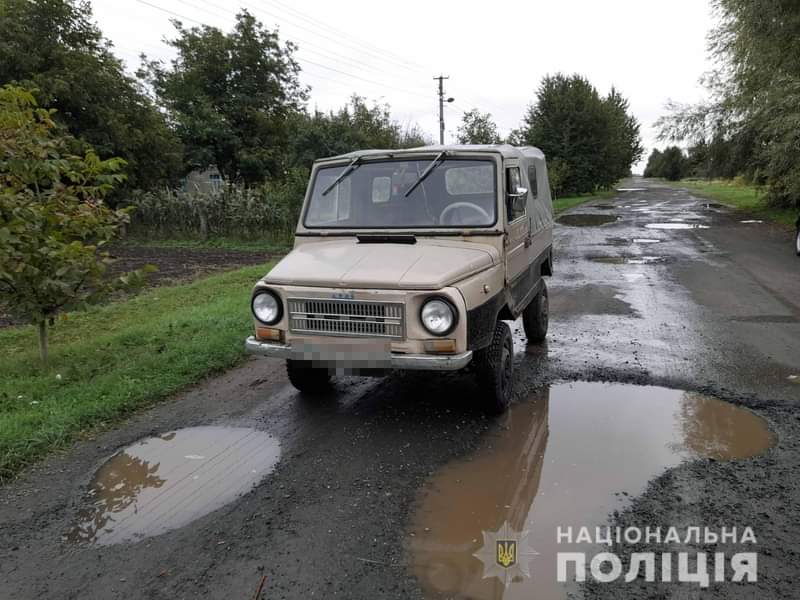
point(343, 353)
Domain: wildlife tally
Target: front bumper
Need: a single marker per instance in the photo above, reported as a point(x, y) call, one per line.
point(420, 362)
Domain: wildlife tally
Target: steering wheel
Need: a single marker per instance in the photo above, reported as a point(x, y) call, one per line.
point(485, 217)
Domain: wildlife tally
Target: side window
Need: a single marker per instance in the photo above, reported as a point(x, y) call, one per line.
point(515, 206)
point(532, 181)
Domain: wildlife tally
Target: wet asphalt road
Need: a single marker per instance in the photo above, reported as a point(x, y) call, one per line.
point(713, 309)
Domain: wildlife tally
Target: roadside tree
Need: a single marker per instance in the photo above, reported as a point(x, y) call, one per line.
point(231, 97)
point(753, 115)
point(590, 141)
point(355, 126)
point(54, 48)
point(54, 224)
point(478, 128)
point(654, 162)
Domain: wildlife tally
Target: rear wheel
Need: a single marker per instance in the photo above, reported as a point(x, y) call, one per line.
point(536, 316)
point(307, 378)
point(494, 366)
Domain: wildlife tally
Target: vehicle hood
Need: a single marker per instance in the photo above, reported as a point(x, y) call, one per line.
point(428, 264)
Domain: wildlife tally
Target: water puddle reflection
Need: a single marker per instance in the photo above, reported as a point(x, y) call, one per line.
point(676, 226)
point(162, 483)
point(628, 260)
point(568, 456)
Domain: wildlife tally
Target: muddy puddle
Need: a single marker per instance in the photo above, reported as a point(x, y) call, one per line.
point(618, 241)
point(676, 225)
point(587, 220)
point(568, 456)
point(164, 482)
point(632, 189)
point(628, 260)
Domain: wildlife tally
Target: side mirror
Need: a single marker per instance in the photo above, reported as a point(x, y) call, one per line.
point(519, 199)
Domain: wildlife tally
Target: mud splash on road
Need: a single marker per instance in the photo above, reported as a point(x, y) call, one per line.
point(568, 456)
point(164, 482)
point(587, 220)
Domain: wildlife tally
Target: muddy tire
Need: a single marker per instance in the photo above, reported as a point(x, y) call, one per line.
point(308, 379)
point(494, 366)
point(535, 317)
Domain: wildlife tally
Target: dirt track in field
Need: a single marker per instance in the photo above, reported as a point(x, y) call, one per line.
point(174, 265)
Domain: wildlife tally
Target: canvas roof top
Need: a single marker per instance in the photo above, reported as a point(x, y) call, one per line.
point(505, 150)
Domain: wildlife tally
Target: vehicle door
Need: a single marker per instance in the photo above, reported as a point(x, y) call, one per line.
point(517, 236)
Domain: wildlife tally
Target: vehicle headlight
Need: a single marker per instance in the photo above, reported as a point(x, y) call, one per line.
point(267, 307)
point(438, 316)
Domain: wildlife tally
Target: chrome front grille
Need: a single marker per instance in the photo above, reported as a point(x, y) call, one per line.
point(356, 318)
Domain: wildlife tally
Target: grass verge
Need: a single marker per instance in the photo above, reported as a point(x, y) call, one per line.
point(115, 359)
point(562, 204)
point(746, 198)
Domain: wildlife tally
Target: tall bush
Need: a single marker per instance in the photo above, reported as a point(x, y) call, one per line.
point(53, 221)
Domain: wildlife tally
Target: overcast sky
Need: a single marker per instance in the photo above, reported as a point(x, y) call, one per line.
point(494, 53)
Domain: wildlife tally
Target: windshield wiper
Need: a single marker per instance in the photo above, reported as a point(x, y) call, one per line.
point(425, 173)
point(347, 170)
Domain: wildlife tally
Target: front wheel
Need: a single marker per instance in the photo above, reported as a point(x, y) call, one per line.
point(307, 378)
point(536, 316)
point(495, 369)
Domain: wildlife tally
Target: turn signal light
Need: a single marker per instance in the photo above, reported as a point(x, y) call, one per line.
point(269, 334)
point(440, 346)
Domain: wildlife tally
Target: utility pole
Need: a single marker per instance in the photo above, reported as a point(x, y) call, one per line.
point(441, 79)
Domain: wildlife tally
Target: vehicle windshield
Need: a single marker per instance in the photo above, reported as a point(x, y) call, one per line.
point(375, 195)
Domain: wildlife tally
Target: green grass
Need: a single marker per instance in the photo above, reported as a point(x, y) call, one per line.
point(562, 204)
point(115, 359)
point(221, 243)
point(740, 196)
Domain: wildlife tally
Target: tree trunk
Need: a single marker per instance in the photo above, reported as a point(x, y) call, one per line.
point(43, 341)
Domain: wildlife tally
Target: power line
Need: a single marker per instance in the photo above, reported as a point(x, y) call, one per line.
point(374, 55)
point(299, 59)
point(405, 91)
point(340, 32)
point(171, 12)
point(380, 55)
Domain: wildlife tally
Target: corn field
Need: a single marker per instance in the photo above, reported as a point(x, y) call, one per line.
point(236, 211)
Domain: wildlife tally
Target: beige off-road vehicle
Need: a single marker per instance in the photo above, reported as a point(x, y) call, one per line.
point(412, 259)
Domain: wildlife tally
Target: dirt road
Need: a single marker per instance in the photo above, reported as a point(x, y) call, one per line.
point(384, 488)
